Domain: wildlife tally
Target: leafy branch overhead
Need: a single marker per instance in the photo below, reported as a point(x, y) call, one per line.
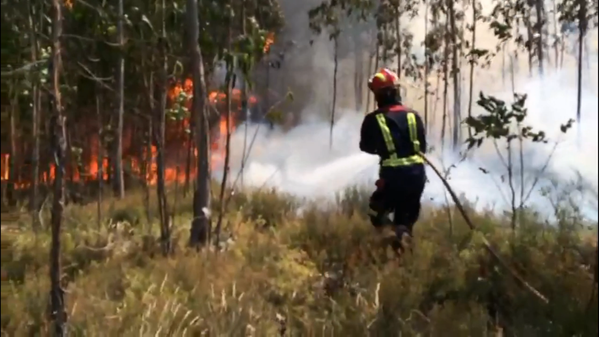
point(503, 121)
point(329, 13)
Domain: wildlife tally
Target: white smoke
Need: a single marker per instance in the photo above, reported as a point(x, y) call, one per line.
point(302, 162)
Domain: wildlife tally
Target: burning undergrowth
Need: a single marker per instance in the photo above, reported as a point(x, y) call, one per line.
point(90, 159)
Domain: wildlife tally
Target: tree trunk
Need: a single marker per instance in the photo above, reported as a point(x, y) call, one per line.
point(503, 63)
point(70, 168)
point(472, 62)
point(398, 37)
point(147, 172)
point(190, 156)
point(556, 32)
point(57, 307)
point(368, 94)
point(582, 27)
point(445, 84)
point(335, 70)
point(455, 71)
point(100, 154)
point(35, 105)
point(539, 9)
point(160, 141)
point(119, 185)
point(377, 56)
point(358, 70)
point(200, 225)
point(426, 67)
point(244, 102)
point(223, 186)
point(383, 41)
point(13, 173)
point(529, 43)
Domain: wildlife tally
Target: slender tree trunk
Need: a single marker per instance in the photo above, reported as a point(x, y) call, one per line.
point(445, 84)
point(562, 50)
point(147, 172)
point(189, 156)
point(376, 65)
point(383, 43)
point(426, 67)
point(360, 81)
point(35, 105)
point(200, 225)
point(558, 37)
point(510, 172)
point(57, 306)
point(358, 69)
point(503, 63)
point(539, 8)
point(118, 175)
point(223, 186)
point(455, 71)
point(13, 173)
point(398, 37)
point(377, 57)
point(100, 155)
point(244, 103)
point(175, 206)
point(530, 42)
point(368, 94)
point(582, 27)
point(160, 142)
point(472, 62)
point(335, 70)
point(436, 98)
point(70, 168)
point(267, 96)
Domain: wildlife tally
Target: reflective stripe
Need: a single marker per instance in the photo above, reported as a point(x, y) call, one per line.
point(393, 160)
point(386, 134)
point(407, 161)
point(381, 76)
point(413, 131)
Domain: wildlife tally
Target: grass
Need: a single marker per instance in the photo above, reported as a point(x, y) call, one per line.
point(302, 270)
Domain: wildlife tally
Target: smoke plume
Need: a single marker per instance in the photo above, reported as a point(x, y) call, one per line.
point(300, 161)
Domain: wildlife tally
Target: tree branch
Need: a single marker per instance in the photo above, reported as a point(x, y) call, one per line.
point(486, 243)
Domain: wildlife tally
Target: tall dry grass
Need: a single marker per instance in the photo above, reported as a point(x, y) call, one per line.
point(302, 270)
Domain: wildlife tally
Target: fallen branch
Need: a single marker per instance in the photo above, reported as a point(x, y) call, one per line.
point(485, 241)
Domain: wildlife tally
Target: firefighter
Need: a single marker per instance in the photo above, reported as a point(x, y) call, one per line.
point(396, 134)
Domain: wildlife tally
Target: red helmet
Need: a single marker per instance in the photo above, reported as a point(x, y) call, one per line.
point(384, 78)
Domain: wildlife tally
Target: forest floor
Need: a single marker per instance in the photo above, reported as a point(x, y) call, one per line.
point(303, 270)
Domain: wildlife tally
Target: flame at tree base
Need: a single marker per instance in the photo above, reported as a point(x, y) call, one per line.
point(137, 165)
point(142, 166)
point(174, 170)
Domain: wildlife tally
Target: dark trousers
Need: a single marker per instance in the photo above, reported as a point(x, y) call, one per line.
point(397, 192)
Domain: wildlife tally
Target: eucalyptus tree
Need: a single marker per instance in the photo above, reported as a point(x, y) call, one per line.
point(57, 304)
point(584, 14)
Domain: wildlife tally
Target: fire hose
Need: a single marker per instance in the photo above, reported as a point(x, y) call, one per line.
point(470, 224)
point(486, 243)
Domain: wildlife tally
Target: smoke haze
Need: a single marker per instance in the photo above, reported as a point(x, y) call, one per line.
point(301, 162)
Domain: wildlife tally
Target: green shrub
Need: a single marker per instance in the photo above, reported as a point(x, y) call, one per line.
point(315, 271)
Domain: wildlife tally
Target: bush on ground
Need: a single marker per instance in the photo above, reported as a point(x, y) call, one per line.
point(308, 270)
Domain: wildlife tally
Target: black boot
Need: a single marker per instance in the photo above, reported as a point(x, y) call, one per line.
point(404, 238)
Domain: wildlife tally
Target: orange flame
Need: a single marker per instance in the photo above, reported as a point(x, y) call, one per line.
point(4, 166)
point(177, 142)
point(270, 39)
